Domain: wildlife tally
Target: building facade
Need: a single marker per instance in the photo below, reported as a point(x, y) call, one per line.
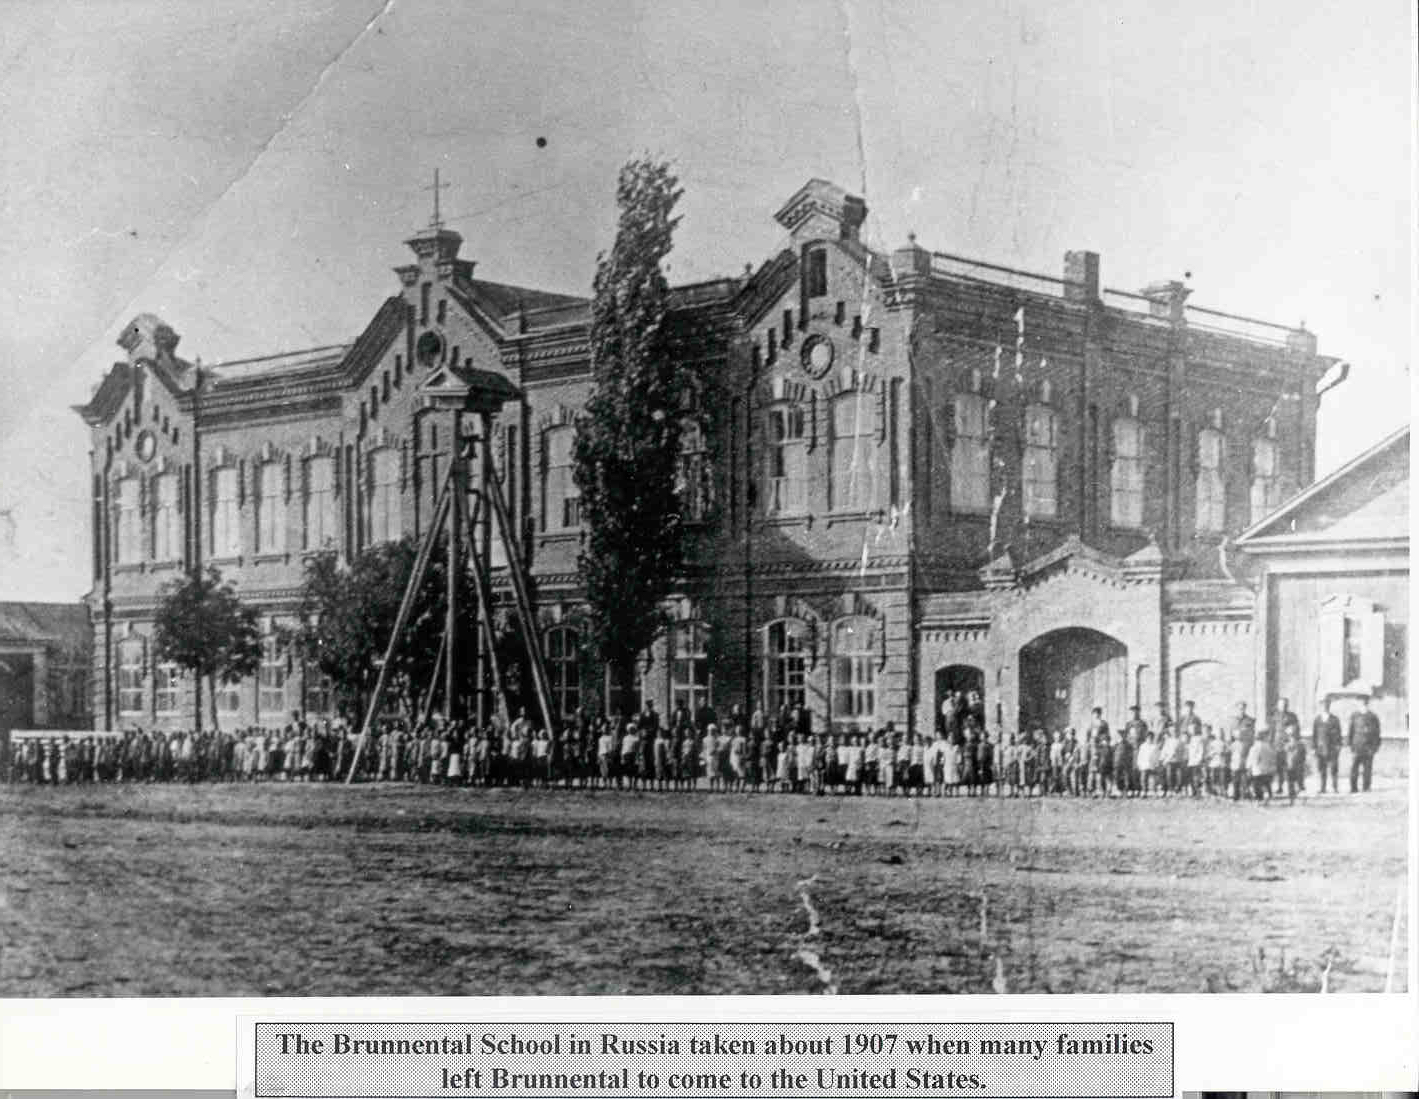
point(906, 473)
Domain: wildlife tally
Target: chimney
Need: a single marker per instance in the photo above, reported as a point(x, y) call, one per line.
point(1081, 276)
point(1167, 299)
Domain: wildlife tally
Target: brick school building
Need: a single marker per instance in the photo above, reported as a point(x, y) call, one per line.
point(907, 474)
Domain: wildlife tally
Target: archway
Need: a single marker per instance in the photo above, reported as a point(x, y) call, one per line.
point(1065, 673)
point(969, 684)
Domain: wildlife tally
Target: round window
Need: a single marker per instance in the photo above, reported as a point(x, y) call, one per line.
point(817, 355)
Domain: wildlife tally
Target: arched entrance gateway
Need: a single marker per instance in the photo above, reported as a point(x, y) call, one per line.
point(1065, 673)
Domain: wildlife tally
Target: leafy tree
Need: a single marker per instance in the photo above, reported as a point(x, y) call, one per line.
point(347, 614)
point(627, 450)
point(201, 625)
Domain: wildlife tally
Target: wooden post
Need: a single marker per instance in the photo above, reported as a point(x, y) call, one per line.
point(455, 565)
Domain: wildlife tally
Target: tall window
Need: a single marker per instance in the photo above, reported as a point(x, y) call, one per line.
point(854, 673)
point(970, 455)
point(165, 684)
point(562, 507)
point(271, 697)
point(1040, 473)
point(564, 670)
point(320, 503)
point(1126, 473)
point(787, 461)
point(271, 509)
point(854, 469)
point(167, 528)
point(384, 510)
point(228, 698)
point(693, 480)
point(817, 277)
point(319, 691)
point(1211, 488)
point(1265, 483)
point(689, 667)
point(226, 522)
point(131, 652)
point(130, 527)
point(786, 664)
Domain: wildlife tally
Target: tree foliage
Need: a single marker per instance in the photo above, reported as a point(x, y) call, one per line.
point(627, 450)
point(202, 626)
point(347, 613)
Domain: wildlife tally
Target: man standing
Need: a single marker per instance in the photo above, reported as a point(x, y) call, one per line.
point(1326, 741)
point(1244, 730)
point(1364, 741)
point(1285, 723)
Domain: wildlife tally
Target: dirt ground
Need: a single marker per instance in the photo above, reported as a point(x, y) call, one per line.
point(402, 890)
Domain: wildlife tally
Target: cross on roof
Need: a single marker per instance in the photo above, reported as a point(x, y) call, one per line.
point(437, 221)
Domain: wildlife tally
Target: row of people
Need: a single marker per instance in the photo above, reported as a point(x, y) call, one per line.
point(1182, 759)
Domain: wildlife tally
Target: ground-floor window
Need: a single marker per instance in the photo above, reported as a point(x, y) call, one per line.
point(165, 683)
point(854, 673)
point(786, 664)
point(319, 692)
point(271, 698)
point(131, 653)
point(564, 670)
point(689, 668)
point(228, 698)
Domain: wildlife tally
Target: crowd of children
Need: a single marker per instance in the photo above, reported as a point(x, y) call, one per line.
point(960, 757)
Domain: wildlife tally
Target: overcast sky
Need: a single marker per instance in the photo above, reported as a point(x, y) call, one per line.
point(248, 170)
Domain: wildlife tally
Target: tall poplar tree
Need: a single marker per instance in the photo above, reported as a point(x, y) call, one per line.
point(627, 448)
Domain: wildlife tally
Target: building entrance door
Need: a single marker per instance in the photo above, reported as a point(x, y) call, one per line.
point(1065, 673)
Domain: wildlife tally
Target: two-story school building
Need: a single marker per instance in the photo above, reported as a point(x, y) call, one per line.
point(907, 473)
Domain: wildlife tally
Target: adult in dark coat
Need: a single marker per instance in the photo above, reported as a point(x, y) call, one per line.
point(1326, 741)
point(1364, 739)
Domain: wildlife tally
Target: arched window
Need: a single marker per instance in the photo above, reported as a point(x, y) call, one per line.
point(564, 669)
point(786, 488)
point(132, 654)
point(167, 527)
point(1040, 471)
point(786, 645)
point(854, 673)
point(854, 468)
point(226, 523)
point(970, 454)
point(1126, 473)
point(270, 509)
point(384, 510)
point(130, 528)
point(689, 667)
point(319, 504)
point(562, 498)
point(1265, 482)
point(1211, 491)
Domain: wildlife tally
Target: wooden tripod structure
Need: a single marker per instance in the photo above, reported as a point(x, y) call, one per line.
point(481, 393)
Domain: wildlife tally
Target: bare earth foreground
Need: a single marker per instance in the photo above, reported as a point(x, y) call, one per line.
point(329, 890)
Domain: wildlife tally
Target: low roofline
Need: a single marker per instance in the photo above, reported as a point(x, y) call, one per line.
point(1252, 535)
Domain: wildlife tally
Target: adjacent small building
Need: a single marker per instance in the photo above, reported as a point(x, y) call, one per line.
point(45, 655)
point(1332, 581)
